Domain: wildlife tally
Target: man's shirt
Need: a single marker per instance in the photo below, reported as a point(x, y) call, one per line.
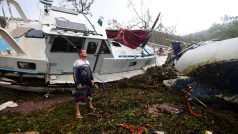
point(82, 72)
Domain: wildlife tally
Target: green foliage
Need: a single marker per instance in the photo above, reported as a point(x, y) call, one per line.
point(164, 38)
point(225, 30)
point(120, 105)
point(126, 102)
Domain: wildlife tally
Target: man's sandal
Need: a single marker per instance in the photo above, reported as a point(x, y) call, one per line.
point(92, 108)
point(79, 116)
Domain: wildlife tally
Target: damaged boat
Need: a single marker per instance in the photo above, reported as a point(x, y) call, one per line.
point(211, 67)
point(38, 55)
point(212, 62)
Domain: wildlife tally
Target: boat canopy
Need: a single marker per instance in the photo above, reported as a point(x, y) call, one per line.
point(129, 38)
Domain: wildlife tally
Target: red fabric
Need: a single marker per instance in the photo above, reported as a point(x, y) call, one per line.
point(129, 38)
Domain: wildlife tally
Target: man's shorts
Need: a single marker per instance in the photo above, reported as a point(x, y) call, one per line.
point(82, 95)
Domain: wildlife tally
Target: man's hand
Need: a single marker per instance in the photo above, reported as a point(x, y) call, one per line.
point(79, 86)
point(92, 81)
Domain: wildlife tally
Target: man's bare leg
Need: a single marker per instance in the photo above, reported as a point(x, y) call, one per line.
point(77, 107)
point(91, 105)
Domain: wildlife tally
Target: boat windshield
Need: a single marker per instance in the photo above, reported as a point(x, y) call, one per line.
point(60, 44)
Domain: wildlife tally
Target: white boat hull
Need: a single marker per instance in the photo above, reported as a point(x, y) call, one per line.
point(214, 64)
point(215, 52)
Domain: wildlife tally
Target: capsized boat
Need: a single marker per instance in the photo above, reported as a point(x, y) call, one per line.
point(38, 55)
point(211, 68)
point(213, 62)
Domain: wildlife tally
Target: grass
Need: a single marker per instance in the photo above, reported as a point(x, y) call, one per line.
point(118, 105)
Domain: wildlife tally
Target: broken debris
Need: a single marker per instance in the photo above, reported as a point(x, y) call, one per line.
point(162, 108)
point(8, 104)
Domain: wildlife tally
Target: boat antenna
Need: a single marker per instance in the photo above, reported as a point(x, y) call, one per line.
point(47, 4)
point(151, 30)
point(90, 22)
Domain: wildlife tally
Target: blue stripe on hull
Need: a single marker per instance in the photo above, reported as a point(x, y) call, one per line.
point(14, 70)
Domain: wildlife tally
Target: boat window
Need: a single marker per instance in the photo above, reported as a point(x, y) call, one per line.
point(92, 47)
point(60, 44)
point(104, 48)
point(133, 63)
point(26, 65)
point(116, 44)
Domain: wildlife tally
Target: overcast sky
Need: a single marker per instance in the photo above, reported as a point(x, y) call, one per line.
point(187, 15)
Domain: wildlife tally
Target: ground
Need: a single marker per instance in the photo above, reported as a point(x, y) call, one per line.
point(124, 102)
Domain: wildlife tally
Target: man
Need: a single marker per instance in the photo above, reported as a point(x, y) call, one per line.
point(83, 79)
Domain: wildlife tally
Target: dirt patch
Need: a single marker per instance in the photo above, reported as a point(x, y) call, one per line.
point(30, 106)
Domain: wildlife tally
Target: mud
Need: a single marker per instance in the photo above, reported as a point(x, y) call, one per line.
point(30, 106)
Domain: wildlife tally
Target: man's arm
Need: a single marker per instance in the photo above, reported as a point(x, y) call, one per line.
point(76, 77)
point(92, 79)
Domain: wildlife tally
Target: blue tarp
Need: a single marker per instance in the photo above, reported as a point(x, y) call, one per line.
point(5, 46)
point(176, 47)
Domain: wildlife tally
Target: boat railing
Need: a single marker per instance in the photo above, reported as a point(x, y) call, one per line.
point(9, 39)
